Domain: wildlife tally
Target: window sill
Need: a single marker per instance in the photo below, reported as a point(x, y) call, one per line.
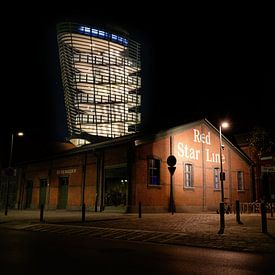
point(189, 188)
point(217, 190)
point(240, 191)
point(153, 186)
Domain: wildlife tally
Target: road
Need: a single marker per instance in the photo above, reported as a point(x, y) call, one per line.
point(25, 252)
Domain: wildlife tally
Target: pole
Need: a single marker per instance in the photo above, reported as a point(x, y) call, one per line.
point(42, 212)
point(83, 207)
point(171, 161)
point(222, 223)
point(11, 150)
point(8, 181)
point(221, 172)
point(171, 194)
point(238, 210)
point(7, 197)
point(263, 216)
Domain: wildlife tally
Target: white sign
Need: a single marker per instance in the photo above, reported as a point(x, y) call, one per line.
point(65, 171)
point(268, 169)
point(201, 138)
point(190, 153)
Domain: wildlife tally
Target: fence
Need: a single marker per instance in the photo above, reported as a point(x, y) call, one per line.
point(255, 207)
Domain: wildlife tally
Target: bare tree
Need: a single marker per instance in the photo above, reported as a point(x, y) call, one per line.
point(260, 142)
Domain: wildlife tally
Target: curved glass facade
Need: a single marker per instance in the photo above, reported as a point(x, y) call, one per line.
point(101, 80)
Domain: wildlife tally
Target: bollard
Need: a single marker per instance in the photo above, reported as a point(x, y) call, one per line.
point(221, 218)
point(96, 198)
point(139, 209)
point(238, 210)
point(42, 212)
point(264, 220)
point(83, 212)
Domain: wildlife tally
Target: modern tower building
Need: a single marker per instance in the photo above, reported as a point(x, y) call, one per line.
point(100, 72)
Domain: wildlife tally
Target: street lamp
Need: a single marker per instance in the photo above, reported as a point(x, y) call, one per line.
point(222, 178)
point(10, 170)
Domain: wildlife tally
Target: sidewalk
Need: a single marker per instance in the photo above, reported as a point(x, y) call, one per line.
point(187, 229)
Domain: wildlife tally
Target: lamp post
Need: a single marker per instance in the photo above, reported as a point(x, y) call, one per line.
point(10, 170)
point(222, 178)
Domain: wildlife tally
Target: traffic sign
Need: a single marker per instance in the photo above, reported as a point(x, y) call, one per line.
point(172, 170)
point(171, 160)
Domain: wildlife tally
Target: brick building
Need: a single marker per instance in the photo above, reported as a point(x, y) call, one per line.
point(120, 173)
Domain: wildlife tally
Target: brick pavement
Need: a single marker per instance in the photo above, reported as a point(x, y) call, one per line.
point(179, 229)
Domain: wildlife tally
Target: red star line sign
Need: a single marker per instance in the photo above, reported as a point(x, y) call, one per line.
point(171, 161)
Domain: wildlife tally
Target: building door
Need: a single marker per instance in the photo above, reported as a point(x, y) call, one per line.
point(62, 193)
point(116, 185)
point(42, 192)
point(29, 193)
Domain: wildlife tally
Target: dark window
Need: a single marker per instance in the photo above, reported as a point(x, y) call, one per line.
point(240, 180)
point(29, 187)
point(63, 192)
point(154, 171)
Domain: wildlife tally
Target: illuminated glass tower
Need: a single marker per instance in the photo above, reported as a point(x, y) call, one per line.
point(101, 79)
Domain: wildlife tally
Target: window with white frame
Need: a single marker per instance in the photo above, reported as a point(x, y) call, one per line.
point(240, 180)
point(216, 178)
point(188, 175)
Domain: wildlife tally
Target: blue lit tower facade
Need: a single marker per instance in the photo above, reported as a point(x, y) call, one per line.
point(101, 79)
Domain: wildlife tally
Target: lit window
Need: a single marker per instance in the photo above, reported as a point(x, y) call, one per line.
point(216, 178)
point(86, 29)
point(114, 37)
point(240, 180)
point(188, 179)
point(94, 31)
point(154, 171)
point(101, 33)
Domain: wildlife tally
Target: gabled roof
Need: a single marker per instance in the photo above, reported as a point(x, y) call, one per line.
point(178, 129)
point(143, 138)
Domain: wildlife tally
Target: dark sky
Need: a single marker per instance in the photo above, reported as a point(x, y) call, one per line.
point(196, 63)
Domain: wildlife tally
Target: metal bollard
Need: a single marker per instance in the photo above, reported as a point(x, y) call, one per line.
point(83, 209)
point(42, 212)
point(264, 220)
point(139, 209)
point(222, 223)
point(238, 210)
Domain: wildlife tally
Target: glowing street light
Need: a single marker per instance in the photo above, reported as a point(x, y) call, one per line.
point(10, 170)
point(222, 178)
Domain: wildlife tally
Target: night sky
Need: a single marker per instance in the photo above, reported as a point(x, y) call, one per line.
point(195, 64)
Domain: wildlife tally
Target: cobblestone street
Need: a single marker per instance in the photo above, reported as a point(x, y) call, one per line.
point(178, 229)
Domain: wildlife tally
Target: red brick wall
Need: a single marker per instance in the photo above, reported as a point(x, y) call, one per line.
point(199, 146)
